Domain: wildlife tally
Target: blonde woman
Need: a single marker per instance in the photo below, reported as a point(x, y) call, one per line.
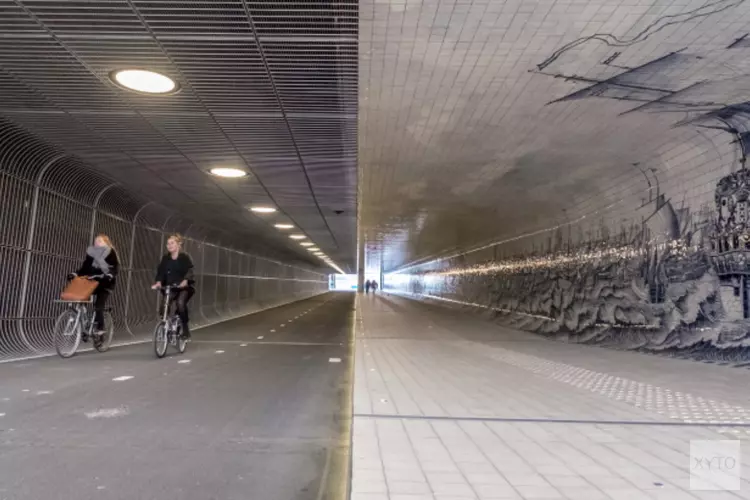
point(100, 264)
point(176, 269)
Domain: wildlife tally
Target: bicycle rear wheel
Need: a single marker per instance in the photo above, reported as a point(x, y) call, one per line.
point(67, 333)
point(161, 339)
point(104, 341)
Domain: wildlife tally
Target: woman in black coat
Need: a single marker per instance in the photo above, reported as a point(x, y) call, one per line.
point(101, 263)
point(176, 269)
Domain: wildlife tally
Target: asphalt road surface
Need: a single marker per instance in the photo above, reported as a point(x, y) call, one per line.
point(256, 409)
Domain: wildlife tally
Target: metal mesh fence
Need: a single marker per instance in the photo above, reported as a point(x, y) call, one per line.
point(52, 205)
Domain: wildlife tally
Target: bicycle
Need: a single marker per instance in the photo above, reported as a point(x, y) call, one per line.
point(77, 323)
point(169, 329)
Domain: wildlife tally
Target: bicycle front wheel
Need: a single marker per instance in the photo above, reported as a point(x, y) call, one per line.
point(67, 333)
point(104, 341)
point(161, 339)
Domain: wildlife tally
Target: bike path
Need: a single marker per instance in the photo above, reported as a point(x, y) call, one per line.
point(258, 407)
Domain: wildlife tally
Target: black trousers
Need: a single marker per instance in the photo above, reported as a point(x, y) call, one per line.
point(180, 300)
point(101, 295)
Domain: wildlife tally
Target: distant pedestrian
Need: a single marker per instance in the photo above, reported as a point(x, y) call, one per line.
point(367, 286)
point(374, 286)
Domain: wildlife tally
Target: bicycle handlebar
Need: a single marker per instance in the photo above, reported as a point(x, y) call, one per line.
point(91, 277)
point(168, 287)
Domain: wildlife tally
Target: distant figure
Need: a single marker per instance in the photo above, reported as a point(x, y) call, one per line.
point(367, 286)
point(374, 286)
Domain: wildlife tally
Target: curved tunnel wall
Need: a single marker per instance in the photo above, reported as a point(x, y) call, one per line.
point(664, 268)
point(51, 206)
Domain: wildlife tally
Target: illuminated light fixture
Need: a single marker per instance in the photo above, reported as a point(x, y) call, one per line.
point(263, 210)
point(313, 249)
point(231, 173)
point(146, 82)
point(298, 236)
point(307, 243)
point(283, 226)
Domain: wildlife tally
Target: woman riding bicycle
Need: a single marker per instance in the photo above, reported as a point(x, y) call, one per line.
point(176, 269)
point(101, 264)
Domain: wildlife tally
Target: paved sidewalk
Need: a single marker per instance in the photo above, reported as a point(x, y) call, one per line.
point(447, 406)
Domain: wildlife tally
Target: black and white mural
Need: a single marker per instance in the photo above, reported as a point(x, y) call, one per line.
point(672, 276)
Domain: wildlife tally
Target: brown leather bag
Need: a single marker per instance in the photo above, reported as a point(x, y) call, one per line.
point(79, 290)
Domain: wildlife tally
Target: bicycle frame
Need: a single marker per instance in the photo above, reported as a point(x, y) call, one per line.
point(167, 316)
point(84, 320)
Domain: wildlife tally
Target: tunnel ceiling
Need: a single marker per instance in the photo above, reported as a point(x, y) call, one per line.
point(269, 87)
point(484, 120)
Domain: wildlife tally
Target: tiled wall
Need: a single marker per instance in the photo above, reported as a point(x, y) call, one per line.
point(666, 266)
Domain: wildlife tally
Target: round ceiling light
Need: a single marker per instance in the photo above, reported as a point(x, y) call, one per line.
point(298, 236)
point(228, 172)
point(144, 81)
point(283, 226)
point(263, 210)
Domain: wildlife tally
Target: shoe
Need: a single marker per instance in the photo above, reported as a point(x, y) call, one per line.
point(85, 337)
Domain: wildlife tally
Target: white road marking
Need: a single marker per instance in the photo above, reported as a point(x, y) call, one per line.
point(6, 399)
point(2, 414)
point(184, 361)
point(43, 393)
point(26, 390)
point(219, 352)
point(273, 331)
point(261, 337)
point(334, 360)
point(122, 379)
point(283, 325)
point(243, 345)
point(108, 413)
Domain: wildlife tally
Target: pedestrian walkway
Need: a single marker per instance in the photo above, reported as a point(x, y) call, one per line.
point(448, 406)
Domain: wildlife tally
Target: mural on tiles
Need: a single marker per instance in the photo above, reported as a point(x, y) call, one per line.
point(678, 280)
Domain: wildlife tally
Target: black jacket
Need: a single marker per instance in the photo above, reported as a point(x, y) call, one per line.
point(88, 268)
point(174, 271)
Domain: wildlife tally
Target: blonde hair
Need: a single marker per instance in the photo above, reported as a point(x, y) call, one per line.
point(105, 239)
point(176, 237)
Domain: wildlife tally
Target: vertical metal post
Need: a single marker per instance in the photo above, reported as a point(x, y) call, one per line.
point(361, 261)
point(29, 247)
point(96, 205)
point(382, 273)
point(130, 267)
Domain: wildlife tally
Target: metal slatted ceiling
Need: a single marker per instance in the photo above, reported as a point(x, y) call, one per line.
point(268, 86)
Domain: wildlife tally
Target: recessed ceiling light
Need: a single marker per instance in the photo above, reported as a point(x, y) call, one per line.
point(144, 81)
point(298, 236)
point(307, 243)
point(263, 210)
point(283, 226)
point(228, 172)
point(313, 249)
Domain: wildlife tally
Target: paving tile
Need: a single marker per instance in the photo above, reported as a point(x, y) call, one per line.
point(409, 487)
point(461, 368)
point(532, 492)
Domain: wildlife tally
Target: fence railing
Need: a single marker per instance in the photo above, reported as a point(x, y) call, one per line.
point(51, 207)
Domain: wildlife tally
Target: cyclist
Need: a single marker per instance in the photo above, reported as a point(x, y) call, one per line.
point(100, 263)
point(176, 269)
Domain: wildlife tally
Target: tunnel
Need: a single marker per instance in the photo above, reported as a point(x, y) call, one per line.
point(374, 249)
